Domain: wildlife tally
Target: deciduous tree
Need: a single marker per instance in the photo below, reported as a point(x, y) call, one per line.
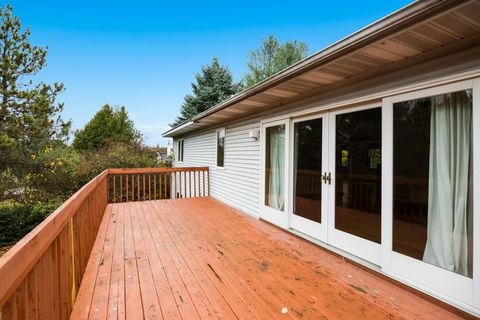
point(106, 125)
point(272, 57)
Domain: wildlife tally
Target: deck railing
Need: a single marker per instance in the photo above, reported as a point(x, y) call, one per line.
point(41, 274)
point(158, 183)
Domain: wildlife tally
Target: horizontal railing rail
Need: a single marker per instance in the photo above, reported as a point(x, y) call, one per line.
point(41, 274)
point(158, 183)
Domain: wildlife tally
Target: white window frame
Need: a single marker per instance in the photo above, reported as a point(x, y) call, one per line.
point(180, 151)
point(448, 285)
point(216, 147)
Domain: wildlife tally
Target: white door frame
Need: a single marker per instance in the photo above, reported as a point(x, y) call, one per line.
point(360, 247)
point(306, 226)
point(449, 285)
point(267, 213)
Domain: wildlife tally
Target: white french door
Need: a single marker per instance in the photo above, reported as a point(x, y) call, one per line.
point(309, 161)
point(274, 198)
point(392, 183)
point(354, 190)
point(332, 190)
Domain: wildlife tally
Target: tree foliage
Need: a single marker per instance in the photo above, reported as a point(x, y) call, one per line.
point(29, 115)
point(116, 154)
point(212, 85)
point(272, 57)
point(107, 124)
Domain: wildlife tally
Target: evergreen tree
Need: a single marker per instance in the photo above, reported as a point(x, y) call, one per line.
point(213, 85)
point(273, 57)
point(29, 116)
point(106, 125)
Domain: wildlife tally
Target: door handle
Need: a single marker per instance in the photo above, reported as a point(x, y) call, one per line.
point(327, 178)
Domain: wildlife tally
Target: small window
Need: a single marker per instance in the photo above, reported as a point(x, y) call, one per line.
point(220, 147)
point(180, 150)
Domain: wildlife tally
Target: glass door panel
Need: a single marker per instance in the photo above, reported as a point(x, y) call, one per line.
point(275, 167)
point(274, 171)
point(358, 173)
point(307, 164)
point(432, 180)
point(355, 215)
point(431, 190)
point(309, 161)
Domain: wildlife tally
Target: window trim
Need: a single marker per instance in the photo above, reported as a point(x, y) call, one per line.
point(216, 147)
point(180, 152)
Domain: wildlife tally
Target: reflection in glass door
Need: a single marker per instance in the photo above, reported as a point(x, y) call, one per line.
point(431, 190)
point(355, 217)
point(307, 177)
point(432, 176)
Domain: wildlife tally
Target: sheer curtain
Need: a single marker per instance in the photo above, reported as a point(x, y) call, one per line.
point(448, 190)
point(277, 169)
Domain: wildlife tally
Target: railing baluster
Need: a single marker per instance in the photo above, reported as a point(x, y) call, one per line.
point(138, 187)
point(155, 186)
point(114, 189)
point(165, 186)
point(149, 187)
point(194, 184)
point(185, 182)
point(160, 195)
point(126, 187)
point(133, 188)
point(180, 183)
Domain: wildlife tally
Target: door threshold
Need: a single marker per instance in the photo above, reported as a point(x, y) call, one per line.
point(337, 251)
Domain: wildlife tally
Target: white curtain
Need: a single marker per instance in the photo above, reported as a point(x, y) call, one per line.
point(276, 198)
point(448, 198)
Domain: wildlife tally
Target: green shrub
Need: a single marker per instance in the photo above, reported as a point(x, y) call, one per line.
point(55, 174)
point(10, 186)
point(16, 220)
point(116, 154)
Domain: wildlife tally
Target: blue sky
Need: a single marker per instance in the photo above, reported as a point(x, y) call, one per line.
point(143, 54)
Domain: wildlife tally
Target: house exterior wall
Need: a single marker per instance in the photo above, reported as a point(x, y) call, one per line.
point(238, 183)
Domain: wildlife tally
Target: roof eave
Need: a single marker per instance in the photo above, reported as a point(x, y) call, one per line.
point(384, 27)
point(172, 132)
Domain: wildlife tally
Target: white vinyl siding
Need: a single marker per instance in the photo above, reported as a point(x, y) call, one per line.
point(237, 183)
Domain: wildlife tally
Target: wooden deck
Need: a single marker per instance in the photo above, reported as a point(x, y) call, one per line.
point(199, 259)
